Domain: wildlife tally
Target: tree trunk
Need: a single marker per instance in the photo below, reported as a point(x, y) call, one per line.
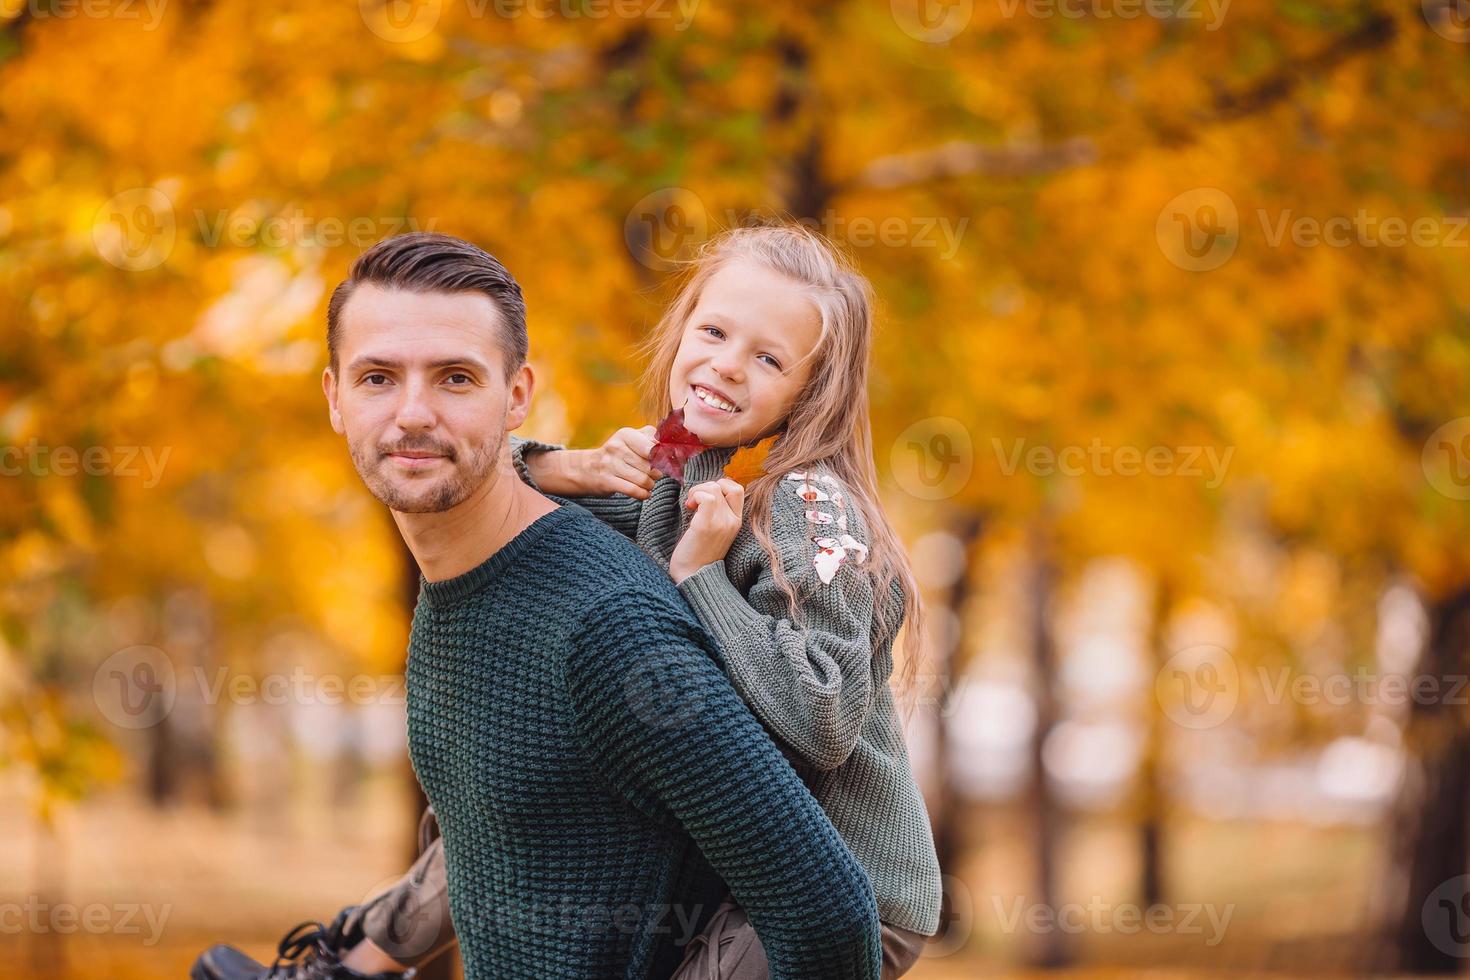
point(1432, 935)
point(1049, 949)
point(944, 809)
point(1150, 791)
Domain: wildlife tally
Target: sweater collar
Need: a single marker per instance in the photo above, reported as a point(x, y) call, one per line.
point(495, 567)
point(710, 463)
point(707, 464)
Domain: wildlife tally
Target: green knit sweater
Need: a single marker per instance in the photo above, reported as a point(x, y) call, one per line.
point(818, 687)
point(595, 775)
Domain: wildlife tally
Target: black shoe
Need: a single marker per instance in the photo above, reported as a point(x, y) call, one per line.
point(310, 951)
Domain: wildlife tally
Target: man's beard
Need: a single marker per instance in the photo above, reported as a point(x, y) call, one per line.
point(449, 491)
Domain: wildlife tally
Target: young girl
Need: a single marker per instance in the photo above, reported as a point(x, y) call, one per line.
point(799, 578)
point(803, 584)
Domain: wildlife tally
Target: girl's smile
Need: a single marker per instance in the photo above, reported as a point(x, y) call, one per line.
point(712, 400)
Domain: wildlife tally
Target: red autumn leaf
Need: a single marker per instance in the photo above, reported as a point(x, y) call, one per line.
point(673, 446)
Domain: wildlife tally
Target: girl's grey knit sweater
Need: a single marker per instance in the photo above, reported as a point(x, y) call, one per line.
point(818, 687)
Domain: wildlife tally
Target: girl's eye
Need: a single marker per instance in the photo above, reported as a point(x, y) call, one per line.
point(714, 330)
point(772, 361)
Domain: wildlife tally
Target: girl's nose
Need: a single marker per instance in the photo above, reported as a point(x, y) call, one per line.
point(726, 369)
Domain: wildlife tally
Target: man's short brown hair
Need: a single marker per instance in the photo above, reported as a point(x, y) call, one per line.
point(428, 262)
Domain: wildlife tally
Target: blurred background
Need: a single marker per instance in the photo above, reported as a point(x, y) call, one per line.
point(1171, 402)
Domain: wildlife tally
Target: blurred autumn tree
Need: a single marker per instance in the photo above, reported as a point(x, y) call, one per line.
point(178, 196)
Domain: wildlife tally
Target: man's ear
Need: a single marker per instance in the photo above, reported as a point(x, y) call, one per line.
point(329, 388)
point(518, 399)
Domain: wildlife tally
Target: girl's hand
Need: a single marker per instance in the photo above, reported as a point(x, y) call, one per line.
point(619, 465)
point(718, 512)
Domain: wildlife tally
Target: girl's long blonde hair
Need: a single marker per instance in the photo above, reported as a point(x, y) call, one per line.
point(828, 423)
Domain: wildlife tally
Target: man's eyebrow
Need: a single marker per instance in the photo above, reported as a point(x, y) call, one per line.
point(368, 360)
point(469, 362)
point(373, 360)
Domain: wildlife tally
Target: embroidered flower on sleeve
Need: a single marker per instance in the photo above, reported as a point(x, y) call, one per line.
point(828, 559)
point(811, 493)
point(849, 543)
point(832, 553)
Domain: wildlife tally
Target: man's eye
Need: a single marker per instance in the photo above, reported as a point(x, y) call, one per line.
point(376, 380)
point(458, 379)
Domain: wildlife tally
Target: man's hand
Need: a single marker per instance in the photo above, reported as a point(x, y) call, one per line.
point(718, 508)
point(619, 465)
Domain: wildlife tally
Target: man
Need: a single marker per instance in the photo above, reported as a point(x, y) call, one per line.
point(593, 770)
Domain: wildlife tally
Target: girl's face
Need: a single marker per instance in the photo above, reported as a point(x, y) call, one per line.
point(744, 355)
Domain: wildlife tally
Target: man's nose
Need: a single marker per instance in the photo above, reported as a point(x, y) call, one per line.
point(415, 413)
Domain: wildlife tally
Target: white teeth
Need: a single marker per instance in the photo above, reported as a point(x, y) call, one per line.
point(709, 398)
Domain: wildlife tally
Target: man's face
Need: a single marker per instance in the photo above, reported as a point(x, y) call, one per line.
point(421, 395)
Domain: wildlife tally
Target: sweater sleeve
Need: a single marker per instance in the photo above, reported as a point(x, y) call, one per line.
point(671, 735)
point(810, 683)
point(619, 511)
